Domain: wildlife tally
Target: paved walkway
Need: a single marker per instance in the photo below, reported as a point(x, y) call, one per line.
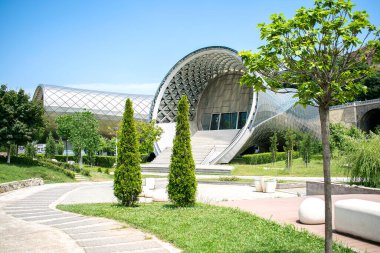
point(30, 223)
point(286, 211)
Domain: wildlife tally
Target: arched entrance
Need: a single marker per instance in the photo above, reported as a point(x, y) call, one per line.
point(370, 120)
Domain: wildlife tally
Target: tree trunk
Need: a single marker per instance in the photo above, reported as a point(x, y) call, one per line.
point(67, 156)
point(9, 154)
point(325, 131)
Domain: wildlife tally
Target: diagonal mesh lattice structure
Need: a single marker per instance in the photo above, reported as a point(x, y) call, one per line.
point(190, 76)
point(108, 107)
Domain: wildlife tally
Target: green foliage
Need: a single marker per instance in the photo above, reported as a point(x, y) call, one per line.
point(262, 158)
point(182, 183)
point(30, 150)
point(307, 147)
point(85, 172)
point(340, 135)
point(100, 170)
point(81, 129)
point(373, 87)
point(290, 143)
point(127, 181)
point(107, 171)
point(148, 134)
point(363, 160)
point(107, 145)
point(273, 147)
point(21, 120)
point(105, 161)
point(50, 148)
point(60, 147)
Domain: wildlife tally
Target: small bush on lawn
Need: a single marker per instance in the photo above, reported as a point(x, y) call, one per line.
point(107, 171)
point(85, 172)
point(100, 170)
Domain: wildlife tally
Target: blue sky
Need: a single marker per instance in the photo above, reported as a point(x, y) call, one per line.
point(121, 45)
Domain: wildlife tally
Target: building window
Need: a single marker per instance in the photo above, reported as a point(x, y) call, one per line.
point(206, 119)
point(225, 121)
point(242, 119)
point(215, 122)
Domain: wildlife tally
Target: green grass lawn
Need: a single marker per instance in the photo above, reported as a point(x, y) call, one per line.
point(314, 169)
point(206, 228)
point(12, 172)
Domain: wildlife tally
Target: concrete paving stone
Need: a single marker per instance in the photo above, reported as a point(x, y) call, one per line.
point(58, 220)
point(161, 250)
point(141, 245)
point(89, 229)
point(107, 233)
point(29, 215)
point(47, 217)
point(111, 240)
point(81, 223)
point(11, 212)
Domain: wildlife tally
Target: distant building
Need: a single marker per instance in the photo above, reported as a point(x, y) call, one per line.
point(225, 118)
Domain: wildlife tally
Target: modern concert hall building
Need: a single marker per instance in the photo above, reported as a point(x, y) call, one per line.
point(225, 118)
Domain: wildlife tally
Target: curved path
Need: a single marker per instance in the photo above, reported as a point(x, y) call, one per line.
point(30, 223)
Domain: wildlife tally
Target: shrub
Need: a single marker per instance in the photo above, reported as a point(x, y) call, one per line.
point(364, 161)
point(105, 161)
point(182, 185)
point(85, 172)
point(127, 180)
point(60, 147)
point(262, 158)
point(56, 167)
point(50, 146)
point(100, 170)
point(107, 171)
point(229, 179)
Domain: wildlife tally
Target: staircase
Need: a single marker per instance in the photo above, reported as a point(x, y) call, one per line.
point(205, 146)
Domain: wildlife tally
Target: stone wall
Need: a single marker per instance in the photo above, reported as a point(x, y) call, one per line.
point(10, 186)
point(317, 188)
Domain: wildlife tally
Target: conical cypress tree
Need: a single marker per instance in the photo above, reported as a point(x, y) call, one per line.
point(182, 185)
point(50, 148)
point(127, 182)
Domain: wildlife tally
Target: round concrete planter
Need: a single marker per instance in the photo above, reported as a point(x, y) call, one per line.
point(270, 185)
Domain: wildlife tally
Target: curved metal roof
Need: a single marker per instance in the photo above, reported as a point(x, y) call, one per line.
point(190, 76)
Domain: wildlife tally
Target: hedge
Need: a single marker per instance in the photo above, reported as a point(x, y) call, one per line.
point(102, 161)
point(262, 158)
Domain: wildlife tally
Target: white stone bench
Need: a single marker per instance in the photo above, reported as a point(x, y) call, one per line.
point(359, 218)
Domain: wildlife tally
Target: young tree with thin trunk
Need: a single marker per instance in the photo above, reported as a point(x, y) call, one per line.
point(317, 52)
point(64, 126)
point(127, 182)
point(290, 143)
point(273, 147)
point(182, 185)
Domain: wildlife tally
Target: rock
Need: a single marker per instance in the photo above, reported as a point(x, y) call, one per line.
point(312, 211)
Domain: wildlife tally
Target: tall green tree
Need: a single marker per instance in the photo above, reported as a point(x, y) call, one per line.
point(64, 126)
point(21, 120)
point(84, 133)
point(50, 148)
point(290, 143)
point(30, 150)
point(148, 134)
point(60, 147)
point(182, 185)
point(273, 147)
point(316, 52)
point(128, 182)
